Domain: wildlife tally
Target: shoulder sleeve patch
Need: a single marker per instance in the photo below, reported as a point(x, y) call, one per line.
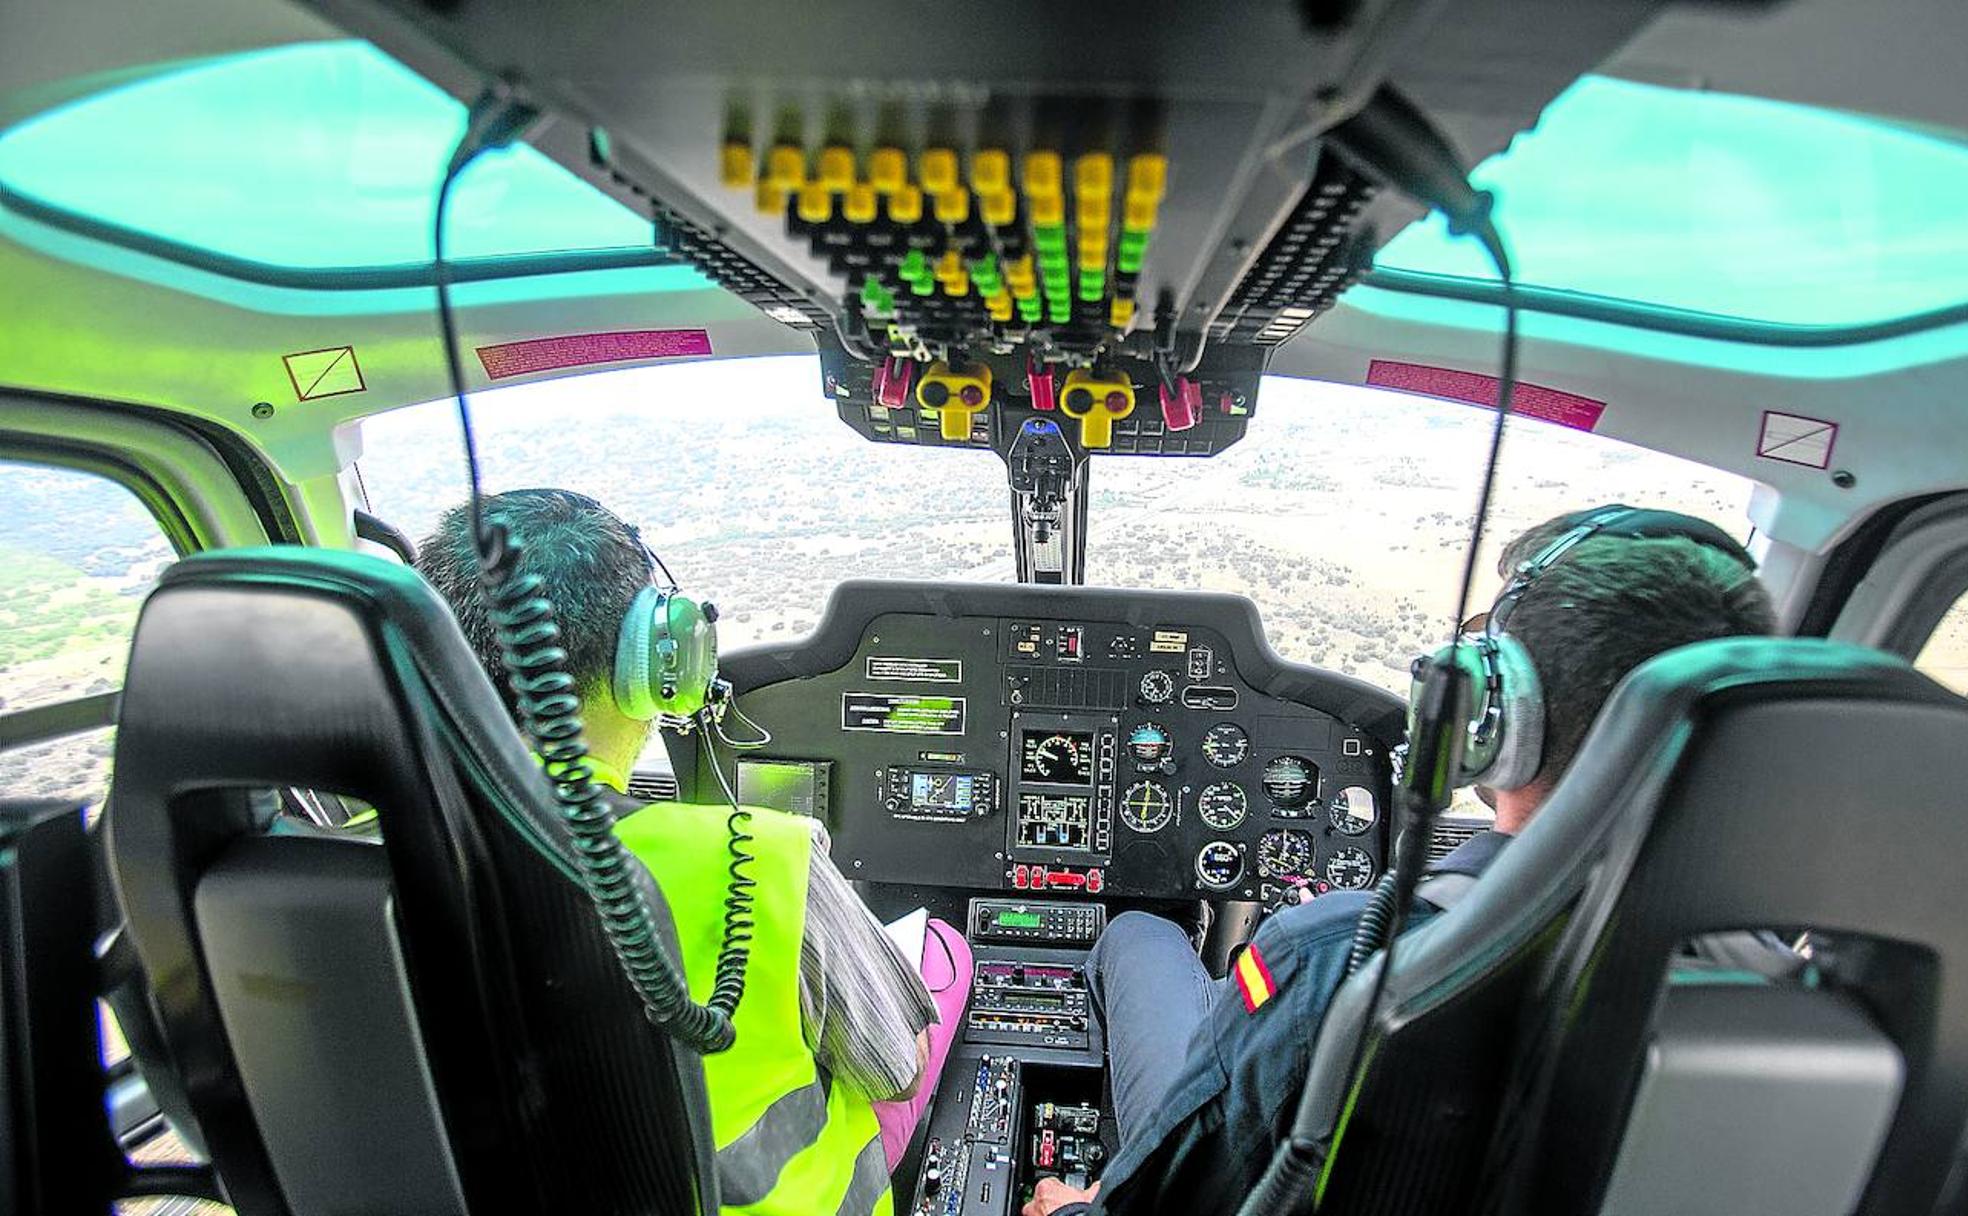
point(1253, 978)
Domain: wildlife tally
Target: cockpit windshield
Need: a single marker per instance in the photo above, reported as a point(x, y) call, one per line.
point(1343, 513)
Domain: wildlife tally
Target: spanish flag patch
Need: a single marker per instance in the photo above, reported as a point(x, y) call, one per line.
point(1254, 980)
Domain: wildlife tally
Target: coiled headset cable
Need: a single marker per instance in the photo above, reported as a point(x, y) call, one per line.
point(529, 641)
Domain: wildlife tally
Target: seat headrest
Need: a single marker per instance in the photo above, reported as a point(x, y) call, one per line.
point(1623, 770)
point(271, 665)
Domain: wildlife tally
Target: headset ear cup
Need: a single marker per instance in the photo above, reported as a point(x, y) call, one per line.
point(633, 695)
point(689, 656)
point(1520, 743)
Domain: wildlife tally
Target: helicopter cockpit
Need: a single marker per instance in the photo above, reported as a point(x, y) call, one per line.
point(1081, 417)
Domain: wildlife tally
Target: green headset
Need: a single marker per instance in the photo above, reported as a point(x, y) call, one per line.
point(1501, 710)
point(666, 655)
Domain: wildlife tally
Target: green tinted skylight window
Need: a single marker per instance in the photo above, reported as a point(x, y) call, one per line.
point(1721, 204)
point(311, 156)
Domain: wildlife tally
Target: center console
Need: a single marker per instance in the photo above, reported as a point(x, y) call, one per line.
point(1021, 1095)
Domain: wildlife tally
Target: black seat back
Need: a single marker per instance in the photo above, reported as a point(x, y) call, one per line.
point(1742, 784)
point(1818, 788)
point(496, 1057)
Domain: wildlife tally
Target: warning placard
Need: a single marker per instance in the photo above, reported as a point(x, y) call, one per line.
point(1527, 400)
point(901, 714)
point(921, 671)
point(584, 350)
point(1795, 439)
point(329, 372)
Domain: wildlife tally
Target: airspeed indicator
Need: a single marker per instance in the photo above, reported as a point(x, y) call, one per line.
point(1222, 805)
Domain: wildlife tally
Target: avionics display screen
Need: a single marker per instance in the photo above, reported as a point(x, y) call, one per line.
point(1019, 920)
point(943, 791)
point(1060, 757)
point(798, 787)
point(1054, 821)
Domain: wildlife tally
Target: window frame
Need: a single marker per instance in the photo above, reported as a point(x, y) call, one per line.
point(1920, 573)
point(195, 495)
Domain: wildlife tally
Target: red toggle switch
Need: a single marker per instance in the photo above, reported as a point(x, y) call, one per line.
point(1039, 378)
point(1020, 875)
point(892, 382)
point(1095, 880)
point(1179, 408)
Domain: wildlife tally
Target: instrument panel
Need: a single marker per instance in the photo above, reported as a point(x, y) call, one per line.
point(1075, 741)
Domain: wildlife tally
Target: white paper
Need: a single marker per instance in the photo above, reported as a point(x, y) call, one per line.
point(908, 933)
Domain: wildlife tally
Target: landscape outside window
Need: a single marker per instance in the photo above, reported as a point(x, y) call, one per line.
point(1945, 656)
point(1344, 513)
point(77, 555)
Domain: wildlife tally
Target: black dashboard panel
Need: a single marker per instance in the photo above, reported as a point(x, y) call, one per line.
point(1076, 741)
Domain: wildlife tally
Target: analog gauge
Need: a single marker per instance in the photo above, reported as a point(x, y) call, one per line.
point(1225, 745)
point(1284, 853)
point(1146, 807)
point(1149, 744)
point(1059, 758)
point(1290, 782)
point(1158, 688)
point(1219, 865)
point(1353, 810)
point(1349, 869)
point(1222, 805)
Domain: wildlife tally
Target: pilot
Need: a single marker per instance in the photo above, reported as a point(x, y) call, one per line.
point(1206, 1073)
point(865, 1015)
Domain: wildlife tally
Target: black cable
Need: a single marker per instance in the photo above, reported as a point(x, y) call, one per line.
point(1370, 931)
point(1391, 140)
point(1411, 848)
point(949, 956)
point(734, 952)
point(548, 700)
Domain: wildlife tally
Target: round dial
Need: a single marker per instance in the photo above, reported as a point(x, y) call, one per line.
point(1219, 865)
point(1284, 853)
point(1158, 688)
point(1290, 782)
point(1222, 805)
point(1353, 810)
point(1058, 758)
point(1146, 807)
point(1149, 744)
point(1225, 745)
point(1350, 869)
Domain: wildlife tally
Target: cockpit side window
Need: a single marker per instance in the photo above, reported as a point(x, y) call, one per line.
point(1945, 655)
point(77, 555)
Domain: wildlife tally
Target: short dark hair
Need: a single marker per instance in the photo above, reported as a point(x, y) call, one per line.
point(1610, 604)
point(592, 563)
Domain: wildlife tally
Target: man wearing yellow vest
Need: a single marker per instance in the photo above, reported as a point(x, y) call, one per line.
point(838, 1040)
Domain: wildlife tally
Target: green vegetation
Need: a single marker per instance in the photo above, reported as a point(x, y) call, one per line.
point(48, 607)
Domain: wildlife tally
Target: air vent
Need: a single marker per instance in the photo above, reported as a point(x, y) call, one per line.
point(1450, 832)
point(652, 787)
point(1315, 256)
